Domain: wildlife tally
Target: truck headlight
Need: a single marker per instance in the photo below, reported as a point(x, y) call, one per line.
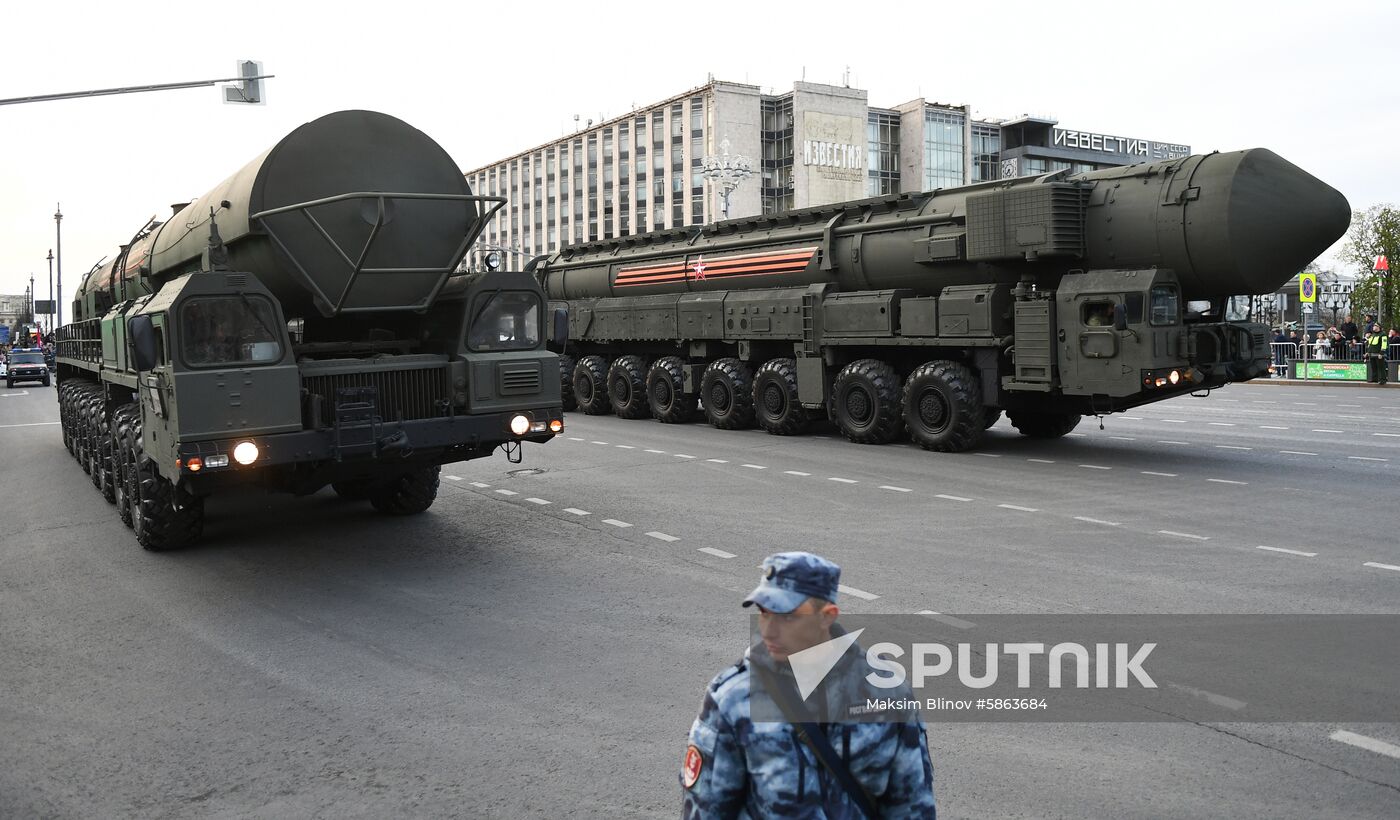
point(520, 425)
point(245, 453)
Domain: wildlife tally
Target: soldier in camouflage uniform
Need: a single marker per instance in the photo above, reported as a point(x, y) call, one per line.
point(744, 760)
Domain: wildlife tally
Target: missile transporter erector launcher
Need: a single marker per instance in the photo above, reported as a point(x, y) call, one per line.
point(930, 314)
point(302, 325)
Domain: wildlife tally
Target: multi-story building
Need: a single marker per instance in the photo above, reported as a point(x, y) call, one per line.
point(813, 145)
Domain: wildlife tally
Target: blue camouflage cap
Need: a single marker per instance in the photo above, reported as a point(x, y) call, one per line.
point(789, 578)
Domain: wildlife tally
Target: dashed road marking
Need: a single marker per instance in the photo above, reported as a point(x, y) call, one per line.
point(1094, 467)
point(1305, 403)
point(1185, 535)
point(1387, 435)
point(958, 623)
point(952, 497)
point(1183, 443)
point(625, 447)
point(453, 477)
point(1218, 700)
point(1123, 438)
point(1163, 475)
point(795, 472)
point(754, 466)
point(1351, 418)
point(508, 492)
point(1257, 401)
point(539, 501)
point(576, 511)
point(683, 455)
point(988, 455)
point(479, 485)
point(1329, 431)
point(843, 480)
point(1076, 435)
point(1219, 424)
point(33, 424)
point(599, 442)
point(716, 461)
point(1370, 744)
point(1173, 421)
point(1290, 552)
point(661, 536)
point(1375, 565)
point(716, 553)
point(1131, 418)
point(616, 523)
point(1349, 405)
point(575, 438)
point(1296, 453)
point(1366, 458)
point(857, 593)
point(1017, 508)
point(1270, 427)
point(658, 452)
point(1041, 460)
point(1231, 447)
point(896, 489)
point(1097, 521)
point(1226, 481)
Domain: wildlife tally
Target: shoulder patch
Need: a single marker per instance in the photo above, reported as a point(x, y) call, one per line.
point(690, 768)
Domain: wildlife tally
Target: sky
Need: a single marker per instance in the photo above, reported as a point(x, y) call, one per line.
point(1316, 83)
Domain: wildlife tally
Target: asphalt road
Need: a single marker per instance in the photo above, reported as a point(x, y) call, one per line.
point(536, 645)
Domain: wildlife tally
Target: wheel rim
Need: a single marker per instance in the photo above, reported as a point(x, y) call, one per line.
point(774, 399)
point(934, 412)
point(720, 399)
point(661, 393)
point(859, 407)
point(621, 391)
point(584, 388)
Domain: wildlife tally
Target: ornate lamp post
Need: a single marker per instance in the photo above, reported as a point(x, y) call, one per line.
point(1334, 297)
point(58, 243)
point(726, 171)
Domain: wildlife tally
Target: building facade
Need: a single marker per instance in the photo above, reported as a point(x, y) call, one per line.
point(813, 145)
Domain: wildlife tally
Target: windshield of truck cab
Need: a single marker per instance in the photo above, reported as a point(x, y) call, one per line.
point(224, 330)
point(505, 320)
point(1165, 308)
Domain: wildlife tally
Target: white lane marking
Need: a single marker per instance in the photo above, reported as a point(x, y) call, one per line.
point(716, 553)
point(575, 438)
point(1366, 458)
point(1296, 453)
point(1185, 535)
point(1381, 566)
point(1123, 438)
point(480, 485)
point(1370, 744)
point(857, 593)
point(1269, 427)
point(1097, 521)
point(947, 619)
point(661, 536)
point(1329, 431)
point(1184, 443)
point(1163, 475)
point(12, 395)
point(988, 455)
point(576, 511)
point(599, 442)
point(683, 455)
point(1017, 508)
point(1094, 467)
point(1218, 700)
point(1231, 447)
point(658, 452)
point(616, 523)
point(625, 447)
point(795, 472)
point(35, 424)
point(1257, 401)
point(952, 497)
point(1236, 401)
point(1219, 424)
point(1351, 418)
point(896, 489)
point(1387, 435)
point(754, 466)
point(843, 480)
point(1173, 421)
point(1041, 460)
point(508, 492)
point(1131, 418)
point(539, 501)
point(453, 477)
point(1290, 552)
point(1306, 403)
point(716, 461)
point(1226, 481)
point(1076, 435)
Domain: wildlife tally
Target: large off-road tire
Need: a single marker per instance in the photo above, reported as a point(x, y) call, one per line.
point(990, 416)
point(943, 407)
point(1044, 425)
point(80, 423)
point(775, 403)
point(97, 433)
point(64, 421)
point(158, 524)
point(666, 395)
point(591, 385)
point(866, 402)
point(354, 490)
point(627, 387)
point(121, 458)
point(408, 494)
point(106, 457)
point(727, 391)
point(566, 383)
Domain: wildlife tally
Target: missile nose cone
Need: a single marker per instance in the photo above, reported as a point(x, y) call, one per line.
point(1280, 218)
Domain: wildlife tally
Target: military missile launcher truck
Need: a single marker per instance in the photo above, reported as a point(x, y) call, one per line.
point(1047, 298)
point(302, 325)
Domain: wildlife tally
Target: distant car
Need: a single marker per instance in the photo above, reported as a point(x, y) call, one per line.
point(27, 366)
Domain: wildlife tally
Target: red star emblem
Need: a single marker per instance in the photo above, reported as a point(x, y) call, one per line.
point(698, 268)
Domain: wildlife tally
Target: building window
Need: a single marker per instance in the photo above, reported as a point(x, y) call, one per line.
point(882, 153)
point(986, 152)
point(943, 148)
point(777, 183)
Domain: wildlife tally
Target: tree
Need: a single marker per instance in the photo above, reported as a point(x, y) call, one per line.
point(1374, 232)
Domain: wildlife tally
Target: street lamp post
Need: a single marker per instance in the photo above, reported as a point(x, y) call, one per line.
point(727, 171)
point(51, 290)
point(58, 243)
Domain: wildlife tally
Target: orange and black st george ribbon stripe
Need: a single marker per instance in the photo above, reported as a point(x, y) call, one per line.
point(792, 260)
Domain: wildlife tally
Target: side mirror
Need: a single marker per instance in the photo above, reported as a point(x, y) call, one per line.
point(560, 337)
point(1120, 316)
point(143, 342)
